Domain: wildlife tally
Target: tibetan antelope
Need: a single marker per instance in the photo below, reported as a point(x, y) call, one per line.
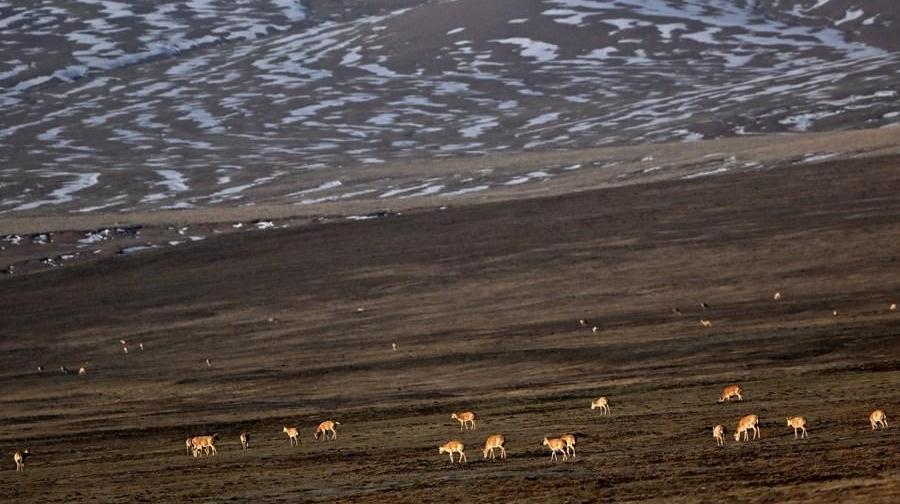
point(583, 322)
point(204, 445)
point(82, 371)
point(293, 434)
point(245, 440)
point(492, 442)
point(893, 307)
point(569, 439)
point(19, 457)
point(732, 391)
point(556, 445)
point(745, 425)
point(452, 447)
point(595, 329)
point(465, 418)
point(719, 434)
point(878, 418)
point(797, 422)
point(777, 296)
point(326, 427)
point(704, 305)
point(706, 322)
point(602, 404)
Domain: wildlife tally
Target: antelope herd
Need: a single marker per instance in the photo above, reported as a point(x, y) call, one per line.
point(747, 428)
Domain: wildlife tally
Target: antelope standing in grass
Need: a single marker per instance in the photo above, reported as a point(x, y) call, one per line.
point(706, 323)
point(492, 442)
point(82, 371)
point(602, 404)
point(326, 427)
point(452, 447)
point(719, 434)
point(797, 422)
point(745, 425)
point(569, 439)
point(893, 307)
point(732, 391)
point(205, 445)
point(777, 296)
point(293, 434)
point(19, 457)
point(245, 440)
point(556, 445)
point(878, 418)
point(465, 418)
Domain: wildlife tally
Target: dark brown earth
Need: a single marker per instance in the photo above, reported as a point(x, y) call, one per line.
point(483, 302)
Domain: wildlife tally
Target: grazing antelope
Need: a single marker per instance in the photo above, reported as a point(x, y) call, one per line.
point(245, 440)
point(556, 445)
point(583, 322)
point(732, 391)
point(797, 422)
point(293, 434)
point(878, 417)
point(63, 370)
point(746, 424)
point(205, 445)
point(452, 447)
point(492, 442)
point(125, 349)
point(595, 329)
point(704, 305)
point(893, 307)
point(123, 342)
point(465, 418)
point(569, 439)
point(394, 347)
point(706, 322)
point(82, 371)
point(777, 296)
point(141, 346)
point(719, 434)
point(40, 369)
point(208, 363)
point(602, 404)
point(19, 457)
point(324, 428)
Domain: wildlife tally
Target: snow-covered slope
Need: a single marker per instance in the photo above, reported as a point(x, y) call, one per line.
point(194, 102)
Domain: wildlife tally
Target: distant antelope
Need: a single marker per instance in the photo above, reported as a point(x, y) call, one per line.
point(745, 425)
point(602, 404)
point(704, 305)
point(732, 391)
point(394, 347)
point(141, 346)
point(82, 371)
point(492, 442)
point(465, 418)
point(878, 417)
point(719, 434)
point(834, 313)
point(706, 322)
point(293, 434)
point(777, 296)
point(556, 445)
point(40, 369)
point(452, 447)
point(245, 440)
point(63, 370)
point(123, 342)
point(208, 363)
point(324, 428)
point(125, 349)
point(893, 307)
point(204, 444)
point(595, 329)
point(569, 439)
point(19, 457)
point(797, 422)
point(583, 322)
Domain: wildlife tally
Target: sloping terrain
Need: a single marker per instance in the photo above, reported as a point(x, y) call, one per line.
point(483, 302)
point(177, 104)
